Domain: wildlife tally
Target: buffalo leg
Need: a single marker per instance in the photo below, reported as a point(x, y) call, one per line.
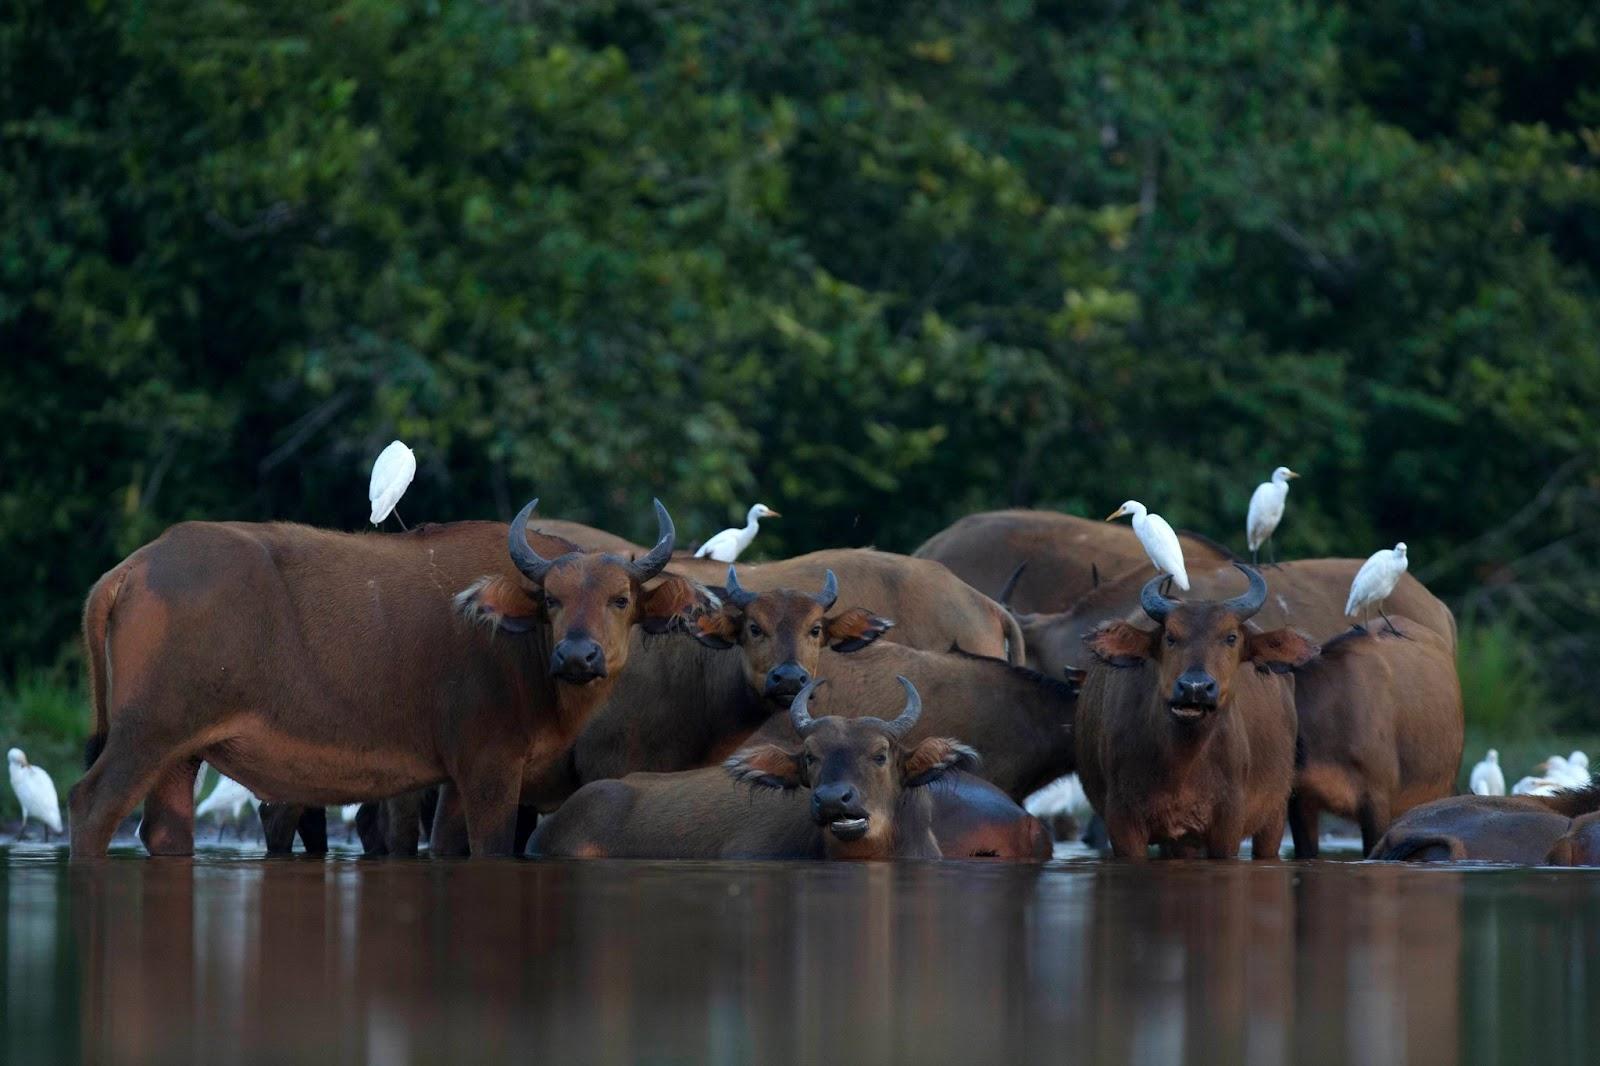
point(370, 819)
point(278, 821)
point(1129, 839)
point(527, 822)
point(1303, 819)
point(1374, 819)
point(1266, 844)
point(402, 830)
point(124, 773)
point(167, 827)
point(449, 837)
point(1223, 836)
point(489, 800)
point(313, 830)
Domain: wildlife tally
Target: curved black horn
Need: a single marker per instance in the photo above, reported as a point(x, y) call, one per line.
point(659, 556)
point(1155, 605)
point(1248, 602)
point(533, 565)
point(800, 709)
point(1004, 599)
point(908, 717)
point(738, 595)
point(830, 591)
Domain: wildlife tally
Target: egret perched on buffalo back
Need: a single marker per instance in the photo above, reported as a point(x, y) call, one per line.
point(1266, 510)
point(391, 476)
point(1160, 542)
point(726, 546)
point(35, 792)
point(1487, 777)
point(1375, 581)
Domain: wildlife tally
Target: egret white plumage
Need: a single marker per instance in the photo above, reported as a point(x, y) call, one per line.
point(1375, 581)
point(1487, 778)
point(1266, 511)
point(391, 476)
point(1159, 541)
point(1064, 795)
point(227, 801)
point(1536, 786)
point(726, 546)
point(347, 815)
point(36, 793)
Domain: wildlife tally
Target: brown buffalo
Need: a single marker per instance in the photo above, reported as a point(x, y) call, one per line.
point(1558, 830)
point(1066, 556)
point(1308, 594)
point(873, 794)
point(1380, 730)
point(323, 668)
point(1185, 736)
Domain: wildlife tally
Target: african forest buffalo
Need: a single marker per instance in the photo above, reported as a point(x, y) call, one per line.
point(1066, 556)
point(1308, 594)
point(1558, 830)
point(871, 795)
point(1185, 733)
point(323, 668)
point(1380, 730)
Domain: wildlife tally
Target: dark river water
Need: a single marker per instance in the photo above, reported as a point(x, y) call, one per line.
point(228, 958)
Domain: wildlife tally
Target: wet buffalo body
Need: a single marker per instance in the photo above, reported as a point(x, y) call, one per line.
point(1559, 830)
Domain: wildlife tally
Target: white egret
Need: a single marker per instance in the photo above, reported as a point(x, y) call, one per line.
point(1376, 580)
point(347, 815)
point(36, 793)
point(227, 801)
point(1266, 511)
point(1487, 777)
point(1160, 542)
point(1579, 762)
point(726, 546)
point(391, 476)
point(1537, 786)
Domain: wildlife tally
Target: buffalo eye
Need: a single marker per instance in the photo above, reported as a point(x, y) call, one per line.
point(816, 631)
point(756, 631)
point(811, 760)
point(1172, 641)
point(551, 603)
point(619, 602)
point(1231, 639)
point(881, 758)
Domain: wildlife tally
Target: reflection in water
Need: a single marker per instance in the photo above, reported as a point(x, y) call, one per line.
point(228, 959)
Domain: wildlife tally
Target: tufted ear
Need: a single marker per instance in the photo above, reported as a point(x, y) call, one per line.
point(854, 629)
point(935, 757)
point(717, 629)
point(673, 603)
point(1280, 650)
point(499, 602)
point(766, 766)
point(1121, 643)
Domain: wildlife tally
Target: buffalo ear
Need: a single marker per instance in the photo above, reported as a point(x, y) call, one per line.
point(716, 629)
point(935, 757)
point(765, 766)
point(499, 602)
point(1280, 650)
point(854, 629)
point(1121, 643)
point(673, 603)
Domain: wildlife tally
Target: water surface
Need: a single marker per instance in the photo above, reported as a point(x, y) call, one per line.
point(227, 958)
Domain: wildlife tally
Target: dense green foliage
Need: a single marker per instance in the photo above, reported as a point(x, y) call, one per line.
point(877, 265)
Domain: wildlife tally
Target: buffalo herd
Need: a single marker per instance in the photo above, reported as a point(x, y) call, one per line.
point(553, 689)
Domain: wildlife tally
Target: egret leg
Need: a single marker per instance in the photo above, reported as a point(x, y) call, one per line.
point(23, 828)
point(1389, 626)
point(1272, 553)
point(1254, 553)
point(402, 521)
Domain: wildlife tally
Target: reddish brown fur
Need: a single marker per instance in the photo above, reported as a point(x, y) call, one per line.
point(1210, 781)
point(1559, 830)
point(1380, 730)
point(324, 668)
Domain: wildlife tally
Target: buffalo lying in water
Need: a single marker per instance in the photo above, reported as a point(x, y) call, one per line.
point(1558, 830)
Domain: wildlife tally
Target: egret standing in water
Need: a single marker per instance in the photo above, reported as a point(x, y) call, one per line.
point(391, 476)
point(36, 793)
point(1375, 581)
point(726, 546)
point(1266, 511)
point(1160, 542)
point(1487, 777)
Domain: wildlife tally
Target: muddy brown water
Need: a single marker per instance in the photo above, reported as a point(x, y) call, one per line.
point(228, 958)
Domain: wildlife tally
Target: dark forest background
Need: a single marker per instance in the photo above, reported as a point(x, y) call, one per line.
point(877, 265)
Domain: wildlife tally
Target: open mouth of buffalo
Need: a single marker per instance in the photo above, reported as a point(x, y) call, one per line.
point(1190, 712)
point(848, 829)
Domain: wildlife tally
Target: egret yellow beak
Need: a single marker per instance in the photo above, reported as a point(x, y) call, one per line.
point(1118, 513)
point(1291, 474)
point(773, 514)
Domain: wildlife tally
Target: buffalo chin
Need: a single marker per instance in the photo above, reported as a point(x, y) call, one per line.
point(1190, 712)
point(578, 677)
